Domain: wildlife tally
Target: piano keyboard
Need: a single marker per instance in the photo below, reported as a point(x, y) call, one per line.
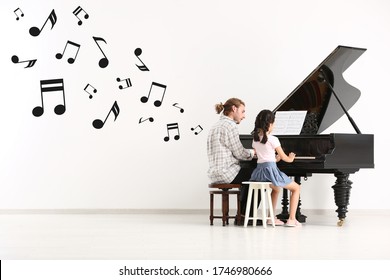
point(304, 157)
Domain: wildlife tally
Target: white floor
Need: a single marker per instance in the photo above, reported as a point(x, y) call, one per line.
point(188, 236)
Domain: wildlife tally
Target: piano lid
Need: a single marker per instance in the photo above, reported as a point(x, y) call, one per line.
point(316, 97)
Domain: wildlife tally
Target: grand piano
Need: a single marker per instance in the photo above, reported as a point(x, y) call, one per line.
point(326, 97)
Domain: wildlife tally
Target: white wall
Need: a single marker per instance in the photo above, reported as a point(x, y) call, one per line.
point(205, 52)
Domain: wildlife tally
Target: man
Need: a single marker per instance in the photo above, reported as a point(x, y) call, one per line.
point(225, 150)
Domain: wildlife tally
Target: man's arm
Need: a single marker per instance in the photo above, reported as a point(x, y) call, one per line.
point(235, 145)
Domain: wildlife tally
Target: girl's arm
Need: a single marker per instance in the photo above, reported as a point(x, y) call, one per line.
point(287, 158)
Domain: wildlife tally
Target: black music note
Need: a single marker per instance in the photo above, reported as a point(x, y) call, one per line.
point(31, 63)
point(77, 11)
point(181, 109)
point(147, 119)
point(170, 127)
point(71, 60)
point(142, 67)
point(114, 109)
point(104, 61)
point(48, 86)
point(35, 31)
point(198, 131)
point(21, 13)
point(157, 103)
point(94, 90)
point(128, 83)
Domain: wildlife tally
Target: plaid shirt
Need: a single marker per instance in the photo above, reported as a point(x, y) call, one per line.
point(225, 150)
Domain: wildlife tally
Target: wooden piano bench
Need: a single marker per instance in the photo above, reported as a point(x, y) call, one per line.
point(225, 190)
point(265, 191)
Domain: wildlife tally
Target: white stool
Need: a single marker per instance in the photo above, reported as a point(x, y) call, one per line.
point(265, 191)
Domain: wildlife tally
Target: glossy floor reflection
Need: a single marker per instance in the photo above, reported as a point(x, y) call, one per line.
point(186, 236)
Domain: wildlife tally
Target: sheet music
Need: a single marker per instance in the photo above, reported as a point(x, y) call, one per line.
point(288, 122)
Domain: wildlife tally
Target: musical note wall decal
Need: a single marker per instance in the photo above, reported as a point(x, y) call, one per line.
point(35, 31)
point(158, 102)
point(142, 67)
point(76, 13)
point(181, 109)
point(128, 83)
point(172, 126)
point(49, 86)
point(18, 10)
point(71, 60)
point(104, 61)
point(198, 129)
point(86, 90)
point(147, 119)
point(114, 109)
point(31, 63)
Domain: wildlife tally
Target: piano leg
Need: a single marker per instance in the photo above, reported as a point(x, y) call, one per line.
point(342, 190)
point(285, 213)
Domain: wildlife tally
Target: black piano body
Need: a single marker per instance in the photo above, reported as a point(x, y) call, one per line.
point(326, 97)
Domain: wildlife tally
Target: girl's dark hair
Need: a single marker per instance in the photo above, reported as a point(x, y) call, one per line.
point(228, 106)
point(262, 123)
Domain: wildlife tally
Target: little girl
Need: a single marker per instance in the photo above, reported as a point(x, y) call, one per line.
point(265, 146)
